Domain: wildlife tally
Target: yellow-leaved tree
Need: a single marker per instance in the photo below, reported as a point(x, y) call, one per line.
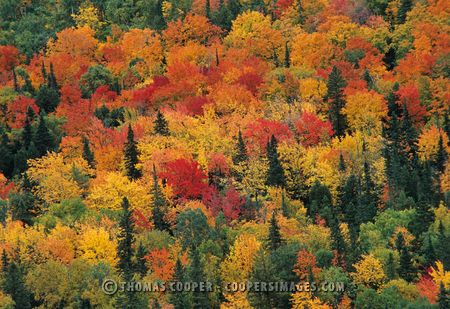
point(369, 272)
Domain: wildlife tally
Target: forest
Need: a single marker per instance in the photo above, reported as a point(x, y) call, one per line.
point(225, 141)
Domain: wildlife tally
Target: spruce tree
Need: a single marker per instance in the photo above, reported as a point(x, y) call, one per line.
point(43, 139)
point(342, 166)
point(443, 297)
point(335, 98)
point(131, 154)
point(350, 203)
point(319, 202)
point(125, 240)
point(88, 155)
point(287, 56)
point(275, 240)
point(208, 9)
point(369, 200)
point(442, 252)
point(275, 175)
point(405, 7)
point(441, 156)
point(406, 270)
point(28, 86)
point(221, 18)
point(179, 299)
point(430, 253)
point(141, 267)
point(391, 271)
point(47, 98)
point(197, 274)
point(338, 242)
point(159, 205)
point(240, 150)
point(14, 285)
point(161, 126)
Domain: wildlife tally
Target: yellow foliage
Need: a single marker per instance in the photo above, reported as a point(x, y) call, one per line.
point(56, 177)
point(429, 143)
point(88, 16)
point(312, 51)
point(440, 275)
point(108, 193)
point(303, 299)
point(95, 245)
point(369, 272)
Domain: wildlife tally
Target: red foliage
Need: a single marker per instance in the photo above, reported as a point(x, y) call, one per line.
point(410, 95)
point(192, 106)
point(103, 95)
point(306, 262)
point(259, 133)
point(141, 220)
point(230, 204)
point(142, 98)
point(9, 57)
point(312, 129)
point(186, 177)
point(251, 81)
point(427, 288)
point(5, 187)
point(218, 162)
point(17, 111)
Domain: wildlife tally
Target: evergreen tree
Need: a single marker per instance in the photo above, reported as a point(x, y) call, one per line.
point(319, 202)
point(275, 59)
point(341, 166)
point(369, 200)
point(88, 155)
point(369, 80)
point(161, 126)
point(443, 297)
point(51, 81)
point(447, 122)
point(43, 71)
point(43, 139)
point(287, 56)
point(208, 9)
point(157, 21)
point(275, 175)
point(234, 9)
point(405, 7)
point(141, 267)
point(125, 240)
point(6, 155)
point(5, 261)
point(275, 240)
point(442, 252)
point(338, 242)
point(47, 98)
point(429, 252)
point(350, 203)
point(196, 274)
point(441, 156)
point(335, 97)
point(131, 156)
point(159, 205)
point(241, 150)
point(179, 299)
point(284, 206)
point(391, 271)
point(390, 57)
point(14, 285)
point(406, 270)
point(27, 85)
point(221, 18)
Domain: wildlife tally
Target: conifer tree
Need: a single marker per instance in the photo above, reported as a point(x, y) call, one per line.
point(14, 285)
point(287, 56)
point(27, 133)
point(391, 271)
point(197, 274)
point(342, 166)
point(88, 155)
point(158, 21)
point(43, 139)
point(52, 83)
point(131, 156)
point(442, 252)
point(405, 7)
point(179, 300)
point(430, 253)
point(369, 80)
point(208, 9)
point(350, 203)
point(125, 240)
point(335, 97)
point(141, 267)
point(27, 85)
point(240, 150)
point(159, 205)
point(275, 240)
point(275, 59)
point(368, 207)
point(338, 242)
point(161, 126)
point(443, 297)
point(5, 261)
point(222, 17)
point(47, 98)
point(406, 270)
point(441, 156)
point(319, 202)
point(275, 175)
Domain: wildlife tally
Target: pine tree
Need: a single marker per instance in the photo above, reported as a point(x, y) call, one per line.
point(159, 205)
point(350, 202)
point(442, 252)
point(131, 154)
point(430, 253)
point(335, 97)
point(284, 206)
point(5, 261)
point(275, 59)
point(338, 242)
point(196, 274)
point(240, 150)
point(443, 297)
point(319, 202)
point(28, 86)
point(368, 207)
point(179, 299)
point(405, 7)
point(390, 57)
point(157, 21)
point(234, 7)
point(221, 17)
point(275, 175)
point(341, 166)
point(47, 98)
point(14, 285)
point(141, 267)
point(287, 56)
point(125, 240)
point(406, 270)
point(88, 155)
point(161, 126)
point(275, 240)
point(43, 139)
